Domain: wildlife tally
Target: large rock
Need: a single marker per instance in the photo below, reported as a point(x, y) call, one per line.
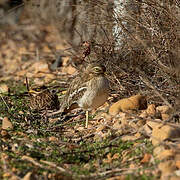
point(137, 102)
point(162, 132)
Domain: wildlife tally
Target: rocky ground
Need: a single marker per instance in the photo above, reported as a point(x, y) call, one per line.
point(120, 142)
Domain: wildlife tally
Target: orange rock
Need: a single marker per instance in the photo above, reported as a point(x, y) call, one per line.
point(164, 132)
point(137, 102)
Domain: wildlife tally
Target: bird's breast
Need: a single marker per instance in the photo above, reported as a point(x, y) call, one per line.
point(96, 93)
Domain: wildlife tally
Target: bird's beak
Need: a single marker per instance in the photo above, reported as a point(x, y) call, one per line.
point(31, 91)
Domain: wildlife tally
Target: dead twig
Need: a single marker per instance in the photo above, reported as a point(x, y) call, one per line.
point(149, 84)
point(5, 102)
point(53, 165)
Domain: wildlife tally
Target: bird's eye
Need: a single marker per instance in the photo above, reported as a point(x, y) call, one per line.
point(97, 69)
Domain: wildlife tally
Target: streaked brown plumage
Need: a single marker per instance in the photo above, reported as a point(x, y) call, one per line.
point(43, 99)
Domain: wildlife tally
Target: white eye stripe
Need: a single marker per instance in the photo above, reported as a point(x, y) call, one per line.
point(77, 91)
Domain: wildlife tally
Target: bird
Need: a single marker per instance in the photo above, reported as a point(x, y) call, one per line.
point(43, 99)
point(88, 91)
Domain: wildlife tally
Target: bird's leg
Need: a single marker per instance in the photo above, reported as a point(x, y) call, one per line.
point(87, 113)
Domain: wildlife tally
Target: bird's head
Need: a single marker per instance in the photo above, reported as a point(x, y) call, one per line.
point(96, 69)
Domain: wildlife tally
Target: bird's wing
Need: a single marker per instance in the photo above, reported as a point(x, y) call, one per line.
point(76, 90)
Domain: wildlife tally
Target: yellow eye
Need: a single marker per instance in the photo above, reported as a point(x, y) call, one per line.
point(97, 69)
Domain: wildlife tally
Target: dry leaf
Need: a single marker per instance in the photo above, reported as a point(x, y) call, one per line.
point(22, 50)
point(21, 112)
point(4, 88)
point(164, 109)
point(46, 49)
point(157, 150)
point(151, 110)
point(132, 165)
point(53, 139)
point(165, 117)
point(27, 176)
point(166, 154)
point(6, 175)
point(122, 177)
point(100, 128)
point(109, 158)
point(164, 132)
point(6, 124)
point(49, 77)
point(146, 158)
point(143, 114)
point(13, 177)
point(178, 164)
point(40, 66)
point(71, 70)
point(167, 167)
point(129, 138)
point(4, 133)
point(174, 178)
point(116, 156)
